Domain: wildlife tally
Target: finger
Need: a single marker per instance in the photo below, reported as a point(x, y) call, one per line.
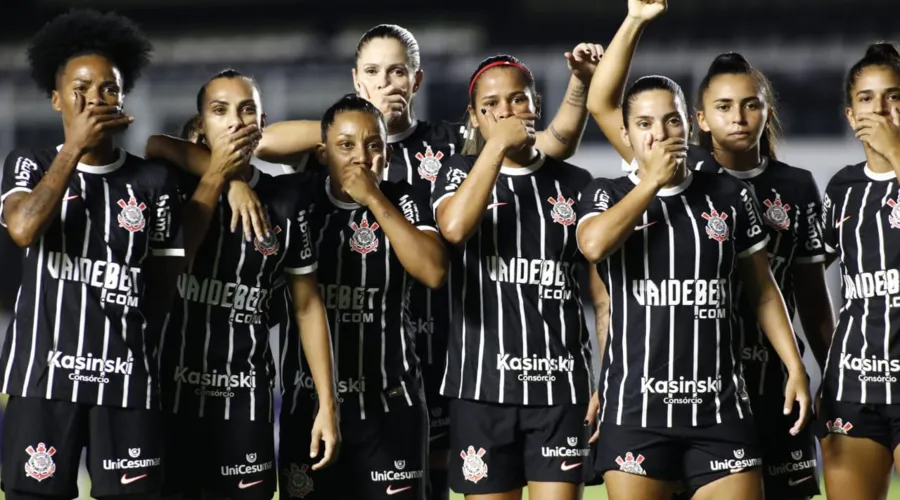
point(115, 124)
point(104, 111)
point(598, 50)
point(314, 445)
point(247, 222)
point(648, 142)
point(259, 223)
point(251, 131)
point(390, 91)
point(789, 397)
point(326, 457)
point(79, 102)
point(895, 116)
point(595, 436)
point(363, 91)
point(378, 163)
point(568, 56)
point(804, 413)
point(245, 142)
point(489, 115)
point(527, 117)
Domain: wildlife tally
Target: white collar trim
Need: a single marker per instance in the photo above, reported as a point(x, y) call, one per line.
point(102, 169)
point(527, 169)
point(392, 139)
point(879, 176)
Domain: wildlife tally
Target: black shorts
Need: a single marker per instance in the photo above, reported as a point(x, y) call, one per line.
point(438, 409)
point(878, 422)
point(692, 456)
point(43, 439)
point(230, 458)
point(380, 457)
point(497, 448)
point(789, 469)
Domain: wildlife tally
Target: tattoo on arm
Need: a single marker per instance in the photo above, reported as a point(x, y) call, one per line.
point(578, 96)
point(559, 137)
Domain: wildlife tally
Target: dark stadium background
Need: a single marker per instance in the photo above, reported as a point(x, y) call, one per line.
point(301, 52)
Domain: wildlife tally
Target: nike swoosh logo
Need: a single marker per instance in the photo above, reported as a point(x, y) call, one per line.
point(73, 197)
point(242, 485)
point(567, 466)
point(838, 224)
point(495, 205)
point(644, 226)
point(391, 491)
point(795, 482)
point(128, 480)
point(437, 436)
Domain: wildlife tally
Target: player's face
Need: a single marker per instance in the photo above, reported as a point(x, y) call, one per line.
point(92, 76)
point(355, 138)
point(231, 103)
point(503, 92)
point(383, 62)
point(734, 112)
point(654, 113)
point(877, 90)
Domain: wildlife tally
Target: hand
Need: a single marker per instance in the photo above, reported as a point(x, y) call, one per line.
point(663, 159)
point(591, 417)
point(94, 124)
point(326, 429)
point(389, 100)
point(514, 132)
point(583, 60)
point(361, 183)
point(881, 133)
point(797, 389)
point(232, 149)
point(646, 10)
point(246, 208)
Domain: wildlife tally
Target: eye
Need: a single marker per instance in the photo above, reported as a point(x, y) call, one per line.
point(370, 71)
point(249, 109)
point(345, 144)
point(865, 98)
point(723, 107)
point(754, 105)
point(894, 96)
point(80, 88)
point(643, 124)
point(400, 72)
point(519, 100)
point(218, 110)
point(490, 104)
point(375, 146)
point(674, 121)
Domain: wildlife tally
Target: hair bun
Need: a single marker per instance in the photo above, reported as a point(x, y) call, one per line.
point(882, 51)
point(729, 62)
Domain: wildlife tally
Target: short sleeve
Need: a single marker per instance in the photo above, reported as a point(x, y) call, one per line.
point(749, 236)
point(810, 240)
point(595, 199)
point(21, 173)
point(301, 257)
point(450, 178)
point(166, 238)
point(414, 205)
point(829, 235)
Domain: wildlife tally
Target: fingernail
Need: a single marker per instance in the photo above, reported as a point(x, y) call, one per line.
point(787, 411)
point(586, 423)
point(483, 111)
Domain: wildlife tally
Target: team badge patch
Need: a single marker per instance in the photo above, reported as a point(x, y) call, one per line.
point(269, 245)
point(797, 455)
point(364, 239)
point(40, 465)
point(562, 211)
point(474, 469)
point(776, 214)
point(716, 228)
point(894, 216)
point(299, 484)
point(838, 426)
point(132, 215)
point(631, 465)
point(429, 164)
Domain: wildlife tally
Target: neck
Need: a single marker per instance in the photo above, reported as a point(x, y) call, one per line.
point(337, 190)
point(402, 123)
point(104, 154)
point(737, 160)
point(521, 158)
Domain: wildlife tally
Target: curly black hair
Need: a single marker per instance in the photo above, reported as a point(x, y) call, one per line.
point(85, 31)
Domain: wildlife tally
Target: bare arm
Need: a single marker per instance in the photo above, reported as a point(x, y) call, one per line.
point(601, 311)
point(287, 142)
point(459, 215)
point(601, 235)
point(315, 337)
point(814, 308)
point(563, 136)
point(187, 155)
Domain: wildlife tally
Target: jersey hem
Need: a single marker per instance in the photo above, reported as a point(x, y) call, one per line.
point(167, 252)
point(439, 200)
point(7, 195)
point(815, 259)
point(300, 271)
point(427, 228)
point(755, 248)
point(828, 248)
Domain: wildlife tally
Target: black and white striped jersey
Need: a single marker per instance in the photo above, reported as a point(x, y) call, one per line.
point(78, 333)
point(366, 293)
point(672, 358)
point(517, 330)
point(215, 359)
point(791, 212)
point(861, 222)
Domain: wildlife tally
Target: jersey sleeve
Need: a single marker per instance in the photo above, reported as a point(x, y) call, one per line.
point(595, 199)
point(21, 173)
point(829, 235)
point(166, 237)
point(414, 205)
point(810, 240)
point(301, 258)
point(450, 177)
point(749, 236)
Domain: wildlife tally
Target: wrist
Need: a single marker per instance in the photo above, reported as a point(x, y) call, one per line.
point(328, 402)
point(213, 178)
point(497, 147)
point(796, 368)
point(636, 22)
point(74, 150)
point(375, 201)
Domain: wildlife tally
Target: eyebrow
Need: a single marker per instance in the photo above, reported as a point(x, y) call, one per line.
point(226, 103)
point(869, 91)
point(743, 99)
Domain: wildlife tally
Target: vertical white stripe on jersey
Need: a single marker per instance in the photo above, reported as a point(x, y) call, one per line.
point(12, 339)
point(647, 309)
point(709, 203)
point(462, 314)
point(213, 275)
point(184, 324)
point(537, 206)
point(690, 214)
point(887, 299)
point(34, 325)
point(671, 231)
point(522, 312)
point(337, 324)
point(577, 297)
point(287, 328)
point(84, 253)
point(384, 295)
point(59, 295)
point(268, 331)
point(128, 353)
point(735, 363)
point(481, 330)
point(230, 358)
point(865, 316)
point(610, 338)
point(409, 167)
point(840, 243)
point(362, 328)
point(106, 324)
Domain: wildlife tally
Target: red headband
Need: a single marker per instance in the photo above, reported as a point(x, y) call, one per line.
point(495, 64)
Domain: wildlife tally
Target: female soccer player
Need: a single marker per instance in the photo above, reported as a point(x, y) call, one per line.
point(674, 401)
point(859, 422)
point(518, 363)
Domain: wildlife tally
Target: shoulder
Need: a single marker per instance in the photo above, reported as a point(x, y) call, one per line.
point(31, 159)
point(443, 131)
point(615, 188)
point(701, 160)
point(149, 174)
point(395, 190)
point(568, 174)
point(461, 162)
point(847, 176)
point(790, 173)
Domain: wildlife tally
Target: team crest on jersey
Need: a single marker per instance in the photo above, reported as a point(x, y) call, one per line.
point(134, 452)
point(631, 465)
point(132, 215)
point(299, 484)
point(562, 211)
point(364, 239)
point(40, 465)
point(894, 216)
point(838, 426)
point(797, 455)
point(716, 228)
point(429, 164)
point(776, 214)
point(268, 245)
point(474, 468)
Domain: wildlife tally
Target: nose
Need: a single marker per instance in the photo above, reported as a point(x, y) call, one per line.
point(93, 97)
point(881, 107)
point(503, 110)
point(384, 80)
point(659, 132)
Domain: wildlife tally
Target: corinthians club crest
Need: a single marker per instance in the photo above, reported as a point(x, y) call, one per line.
point(776, 214)
point(364, 239)
point(562, 211)
point(894, 216)
point(269, 245)
point(716, 228)
point(474, 469)
point(40, 466)
point(429, 164)
point(132, 215)
point(299, 484)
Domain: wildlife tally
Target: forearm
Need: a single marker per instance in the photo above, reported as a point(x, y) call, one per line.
point(773, 319)
point(199, 210)
point(815, 309)
point(28, 215)
point(316, 341)
point(192, 158)
point(286, 142)
point(563, 136)
point(460, 214)
point(420, 253)
point(601, 235)
point(894, 158)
